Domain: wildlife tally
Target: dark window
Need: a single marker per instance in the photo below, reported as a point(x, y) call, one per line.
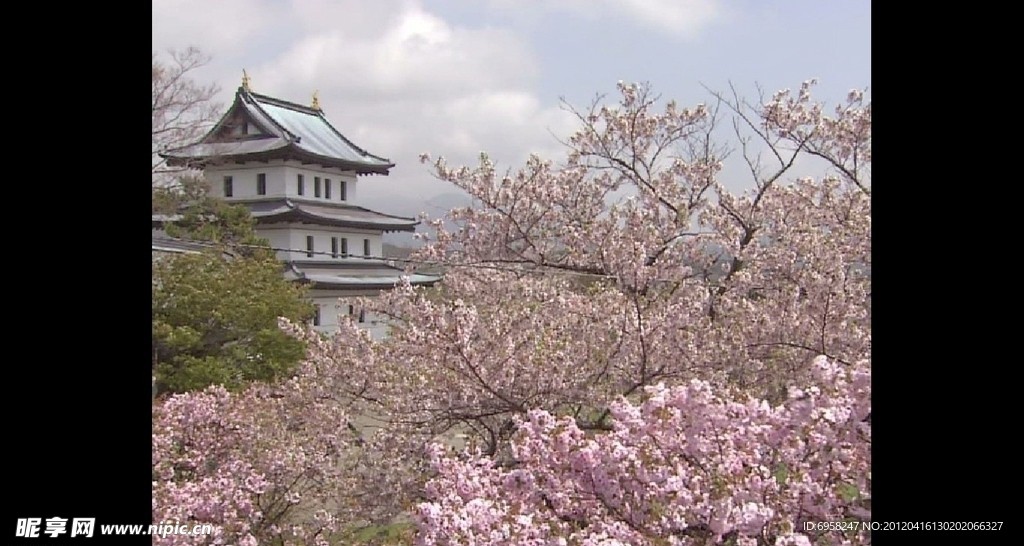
point(316, 186)
point(334, 247)
point(302, 185)
point(366, 247)
point(229, 189)
point(261, 184)
point(343, 190)
point(351, 310)
point(309, 246)
point(316, 315)
point(344, 247)
point(362, 315)
point(327, 188)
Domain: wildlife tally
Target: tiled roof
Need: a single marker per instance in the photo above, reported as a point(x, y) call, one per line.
point(293, 210)
point(289, 130)
point(383, 276)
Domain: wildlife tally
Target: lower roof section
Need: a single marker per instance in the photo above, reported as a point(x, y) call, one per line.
point(381, 277)
point(287, 210)
point(269, 211)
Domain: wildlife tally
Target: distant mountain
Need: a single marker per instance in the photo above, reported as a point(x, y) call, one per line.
point(396, 251)
point(399, 253)
point(401, 240)
point(400, 205)
point(435, 206)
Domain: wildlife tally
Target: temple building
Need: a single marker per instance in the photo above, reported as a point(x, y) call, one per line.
point(300, 179)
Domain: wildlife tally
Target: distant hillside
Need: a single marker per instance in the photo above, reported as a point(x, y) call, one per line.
point(400, 252)
point(397, 251)
point(411, 206)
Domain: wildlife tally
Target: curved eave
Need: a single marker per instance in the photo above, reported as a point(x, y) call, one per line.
point(342, 285)
point(347, 264)
point(298, 215)
point(343, 164)
point(289, 152)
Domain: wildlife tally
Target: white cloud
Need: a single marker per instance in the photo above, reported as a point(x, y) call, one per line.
point(419, 57)
point(506, 119)
point(394, 77)
point(680, 18)
point(225, 26)
point(685, 17)
point(358, 18)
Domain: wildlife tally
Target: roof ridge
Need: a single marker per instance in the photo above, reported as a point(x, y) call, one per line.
point(256, 104)
point(216, 126)
point(283, 103)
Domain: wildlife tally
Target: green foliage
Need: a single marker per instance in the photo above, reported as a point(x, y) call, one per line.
point(781, 473)
point(848, 492)
point(215, 321)
point(204, 218)
point(394, 534)
point(215, 314)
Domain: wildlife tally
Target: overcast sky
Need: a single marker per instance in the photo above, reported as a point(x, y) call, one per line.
point(457, 77)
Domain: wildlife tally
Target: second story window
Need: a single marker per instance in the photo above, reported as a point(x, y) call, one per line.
point(316, 315)
point(327, 188)
point(229, 189)
point(344, 247)
point(309, 246)
point(261, 184)
point(366, 248)
point(334, 247)
point(343, 190)
point(362, 315)
point(316, 186)
point(302, 185)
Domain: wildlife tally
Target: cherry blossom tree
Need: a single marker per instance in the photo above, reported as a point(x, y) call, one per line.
point(560, 296)
point(625, 351)
point(573, 288)
point(276, 463)
point(688, 465)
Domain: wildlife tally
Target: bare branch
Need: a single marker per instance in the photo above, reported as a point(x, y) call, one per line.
point(183, 110)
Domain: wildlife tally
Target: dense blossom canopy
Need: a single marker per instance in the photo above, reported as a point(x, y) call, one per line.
point(686, 466)
point(628, 352)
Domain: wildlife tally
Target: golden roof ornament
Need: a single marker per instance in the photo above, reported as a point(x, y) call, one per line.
point(316, 100)
point(245, 80)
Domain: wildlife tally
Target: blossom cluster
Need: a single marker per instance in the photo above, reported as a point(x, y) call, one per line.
point(628, 266)
point(262, 464)
point(689, 464)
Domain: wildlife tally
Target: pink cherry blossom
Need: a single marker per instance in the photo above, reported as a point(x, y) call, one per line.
point(622, 351)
